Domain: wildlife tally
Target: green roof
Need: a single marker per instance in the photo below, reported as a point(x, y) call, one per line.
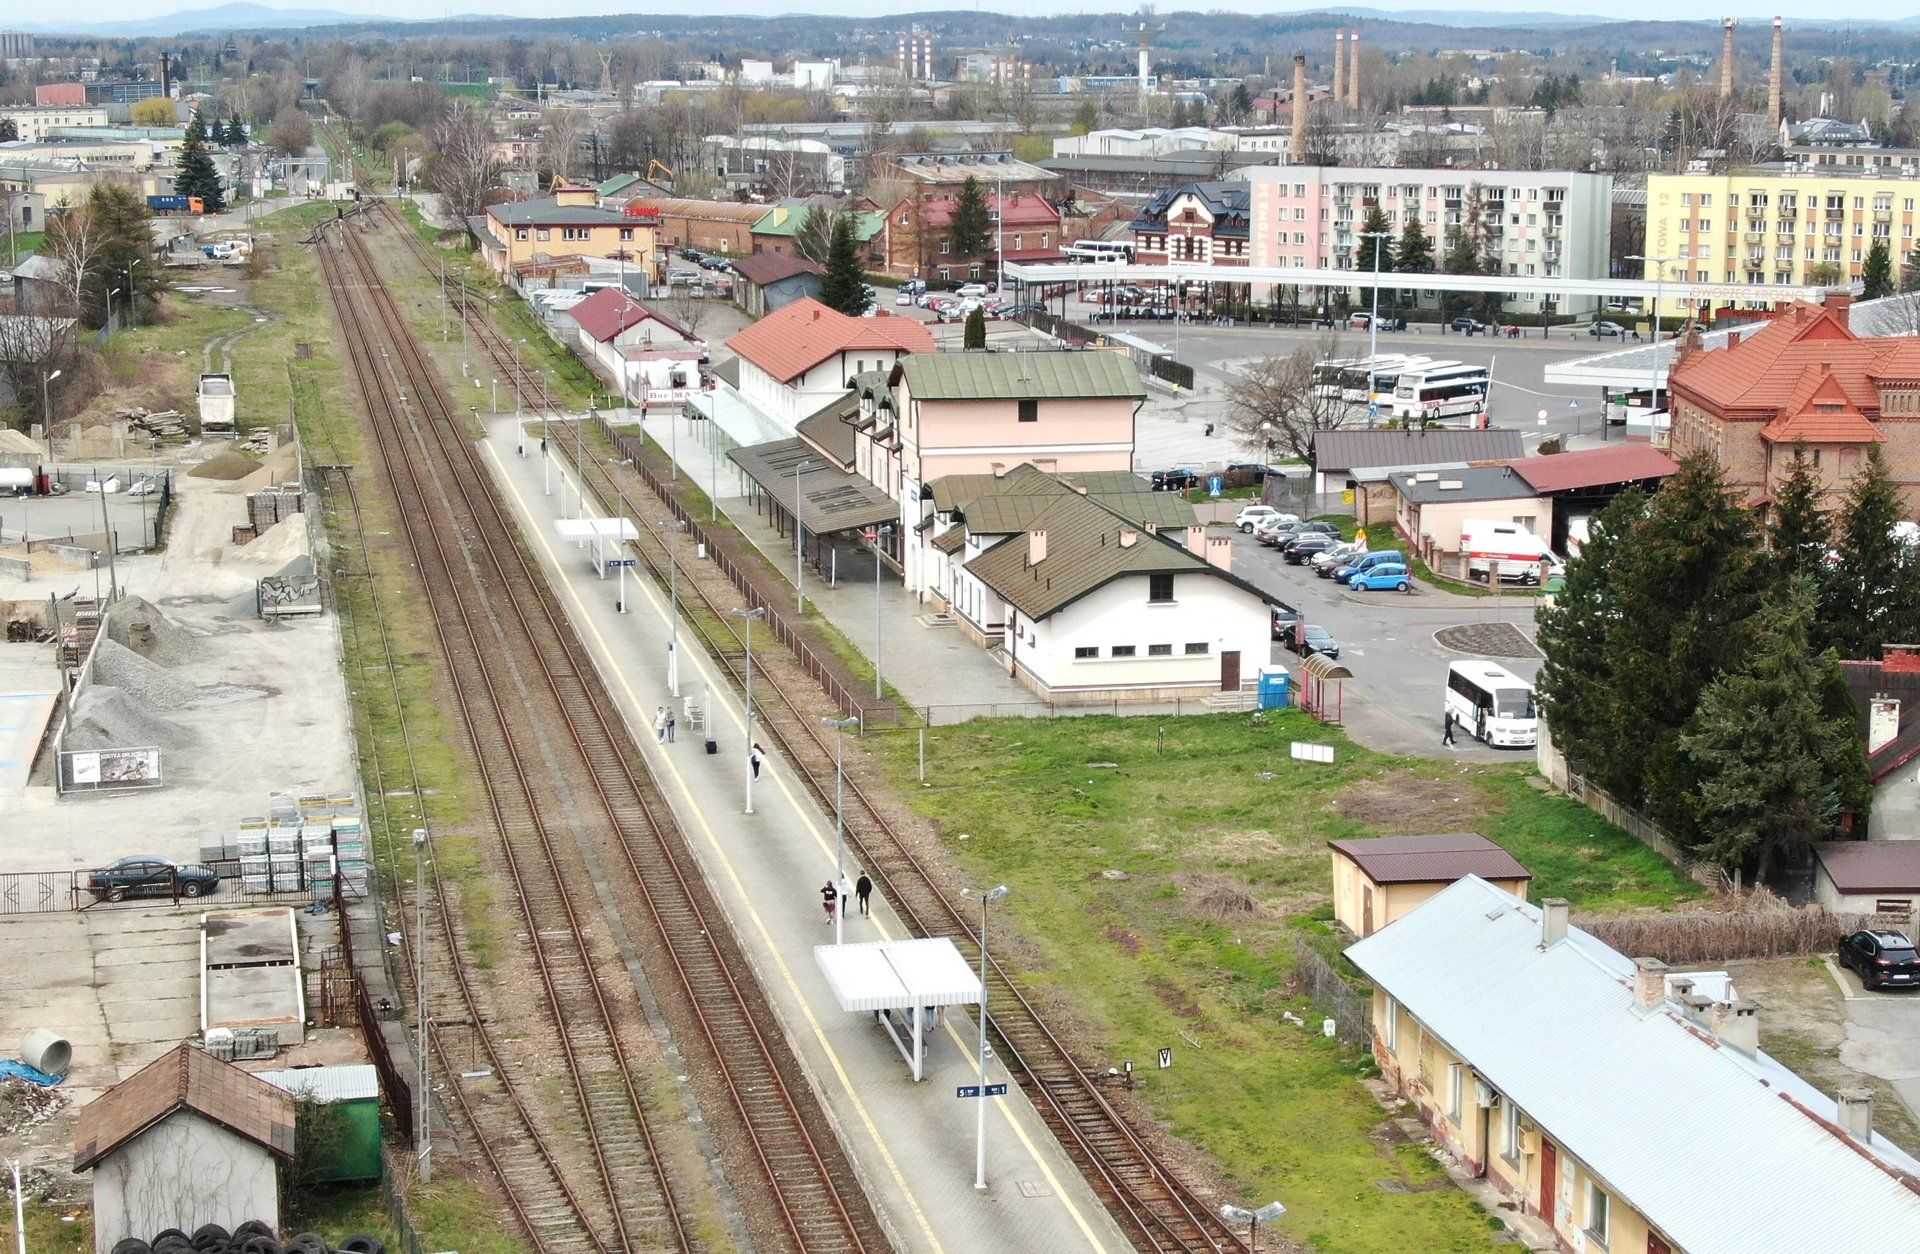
point(618, 183)
point(784, 221)
point(1004, 504)
point(1088, 547)
point(1007, 376)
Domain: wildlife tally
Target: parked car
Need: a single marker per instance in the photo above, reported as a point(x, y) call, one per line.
point(1313, 639)
point(1179, 479)
point(1285, 619)
point(1324, 528)
point(913, 287)
point(1251, 515)
point(975, 290)
point(1468, 326)
point(1386, 577)
point(691, 254)
point(1305, 545)
point(1881, 958)
point(1274, 531)
point(1360, 321)
point(150, 875)
point(1326, 561)
point(1257, 471)
point(1606, 328)
point(1366, 561)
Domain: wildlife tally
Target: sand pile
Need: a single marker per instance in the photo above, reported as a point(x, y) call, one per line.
point(105, 717)
point(281, 466)
point(280, 543)
point(117, 666)
point(139, 625)
point(226, 464)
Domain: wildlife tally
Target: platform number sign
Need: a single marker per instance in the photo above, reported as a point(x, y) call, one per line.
point(1166, 1059)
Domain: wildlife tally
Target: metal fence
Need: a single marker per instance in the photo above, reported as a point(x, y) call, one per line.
point(57, 892)
point(1350, 1009)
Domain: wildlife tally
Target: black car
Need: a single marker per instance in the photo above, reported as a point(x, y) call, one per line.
point(1316, 639)
point(1255, 472)
point(1302, 547)
point(1469, 326)
point(691, 254)
point(150, 875)
point(1179, 479)
point(1285, 619)
point(1882, 958)
point(1316, 525)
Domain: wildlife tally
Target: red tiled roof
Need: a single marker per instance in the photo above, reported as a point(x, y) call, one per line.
point(610, 311)
point(795, 338)
point(1819, 412)
point(1023, 209)
point(184, 1078)
point(1763, 371)
point(761, 269)
point(1594, 467)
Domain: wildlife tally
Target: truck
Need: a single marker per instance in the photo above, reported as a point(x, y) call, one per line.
point(176, 204)
point(1505, 551)
point(216, 405)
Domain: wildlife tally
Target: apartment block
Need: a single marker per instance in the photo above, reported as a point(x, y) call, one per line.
point(1775, 226)
point(1538, 223)
point(37, 123)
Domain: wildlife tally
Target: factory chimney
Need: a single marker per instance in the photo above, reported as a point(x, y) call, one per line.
point(1353, 69)
point(1339, 66)
point(903, 56)
point(1726, 58)
point(1774, 76)
point(1298, 146)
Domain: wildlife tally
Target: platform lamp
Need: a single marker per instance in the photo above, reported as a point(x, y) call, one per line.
point(987, 898)
point(840, 728)
point(423, 1099)
point(1379, 239)
point(758, 611)
point(1253, 1219)
point(673, 528)
point(46, 408)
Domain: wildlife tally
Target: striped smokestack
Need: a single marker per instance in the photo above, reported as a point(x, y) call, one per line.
point(1299, 139)
point(1353, 69)
point(1339, 65)
point(1774, 75)
point(1726, 58)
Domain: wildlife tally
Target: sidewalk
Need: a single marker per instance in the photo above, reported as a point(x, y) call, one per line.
point(914, 1143)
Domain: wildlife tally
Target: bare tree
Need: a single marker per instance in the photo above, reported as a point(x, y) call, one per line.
point(38, 335)
point(464, 170)
point(686, 309)
point(74, 240)
point(1275, 401)
point(787, 175)
point(561, 131)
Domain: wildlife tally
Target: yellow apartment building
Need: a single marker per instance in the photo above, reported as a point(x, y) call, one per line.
point(569, 223)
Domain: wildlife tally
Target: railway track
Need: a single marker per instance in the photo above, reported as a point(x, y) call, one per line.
point(520, 674)
point(1157, 1208)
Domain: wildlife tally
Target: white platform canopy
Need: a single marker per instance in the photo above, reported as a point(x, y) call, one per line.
point(902, 983)
point(607, 535)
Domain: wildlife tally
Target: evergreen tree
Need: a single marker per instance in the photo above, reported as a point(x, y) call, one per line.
point(970, 230)
point(1414, 253)
point(236, 136)
point(974, 334)
point(845, 286)
point(1376, 221)
point(1773, 763)
point(9, 131)
point(122, 224)
point(1869, 595)
point(1910, 272)
point(1687, 591)
point(1876, 272)
point(1574, 682)
point(1798, 532)
point(197, 176)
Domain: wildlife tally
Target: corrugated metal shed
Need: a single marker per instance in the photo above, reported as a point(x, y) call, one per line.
point(1724, 1152)
point(353, 1083)
point(1447, 856)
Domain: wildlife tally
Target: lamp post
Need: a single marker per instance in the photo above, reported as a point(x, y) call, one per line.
point(799, 536)
point(46, 407)
point(133, 295)
point(840, 727)
point(1659, 265)
point(423, 1099)
point(980, 1126)
point(580, 460)
point(1373, 324)
point(673, 530)
point(758, 611)
point(1253, 1219)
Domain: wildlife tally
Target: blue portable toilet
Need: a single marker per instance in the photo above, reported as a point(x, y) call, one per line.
point(1274, 683)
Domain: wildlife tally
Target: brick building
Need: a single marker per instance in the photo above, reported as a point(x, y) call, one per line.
point(1805, 378)
point(914, 239)
point(1201, 222)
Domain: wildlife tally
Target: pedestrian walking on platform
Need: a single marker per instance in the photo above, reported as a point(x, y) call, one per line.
point(660, 724)
point(1446, 729)
point(758, 758)
point(670, 726)
point(828, 896)
point(863, 889)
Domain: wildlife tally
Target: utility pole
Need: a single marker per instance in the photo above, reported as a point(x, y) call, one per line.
point(423, 1099)
point(757, 612)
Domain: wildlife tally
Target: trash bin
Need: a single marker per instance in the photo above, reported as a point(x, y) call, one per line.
point(1274, 688)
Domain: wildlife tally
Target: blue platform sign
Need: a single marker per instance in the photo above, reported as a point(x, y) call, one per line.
point(973, 1090)
point(1213, 485)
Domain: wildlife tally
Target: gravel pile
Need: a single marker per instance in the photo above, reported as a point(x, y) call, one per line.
point(225, 464)
point(105, 717)
point(140, 625)
point(22, 1105)
point(120, 667)
point(280, 543)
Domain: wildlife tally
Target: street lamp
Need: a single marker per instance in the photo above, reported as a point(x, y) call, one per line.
point(1253, 1219)
point(673, 530)
point(980, 1128)
point(758, 611)
point(799, 534)
point(840, 727)
point(133, 295)
point(1659, 265)
point(423, 1099)
point(1379, 239)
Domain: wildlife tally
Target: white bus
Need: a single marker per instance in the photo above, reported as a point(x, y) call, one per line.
point(1098, 250)
point(1441, 389)
point(1378, 372)
point(1492, 704)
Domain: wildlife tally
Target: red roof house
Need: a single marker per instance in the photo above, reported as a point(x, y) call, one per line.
point(807, 352)
point(612, 316)
point(915, 235)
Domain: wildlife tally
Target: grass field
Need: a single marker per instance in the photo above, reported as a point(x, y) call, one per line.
point(1162, 871)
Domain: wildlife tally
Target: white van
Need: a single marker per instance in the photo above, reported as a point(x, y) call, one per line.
point(1506, 551)
point(1493, 704)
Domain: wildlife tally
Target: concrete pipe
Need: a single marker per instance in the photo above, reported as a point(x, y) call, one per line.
point(46, 1051)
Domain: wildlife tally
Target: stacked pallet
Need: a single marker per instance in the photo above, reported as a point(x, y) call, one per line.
point(78, 630)
point(271, 506)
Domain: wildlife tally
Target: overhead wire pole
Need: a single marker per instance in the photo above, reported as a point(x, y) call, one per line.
point(758, 611)
point(423, 1100)
point(840, 726)
point(1373, 328)
point(673, 530)
point(980, 1130)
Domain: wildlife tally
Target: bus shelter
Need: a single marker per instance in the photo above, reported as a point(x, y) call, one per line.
point(601, 532)
point(904, 984)
point(1322, 687)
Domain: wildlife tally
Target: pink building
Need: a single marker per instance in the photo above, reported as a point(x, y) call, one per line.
point(67, 94)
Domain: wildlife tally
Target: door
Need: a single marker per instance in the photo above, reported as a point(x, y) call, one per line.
point(1549, 1180)
point(1230, 670)
point(1366, 911)
point(1656, 1246)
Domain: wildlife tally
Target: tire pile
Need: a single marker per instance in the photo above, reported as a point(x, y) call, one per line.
point(251, 1237)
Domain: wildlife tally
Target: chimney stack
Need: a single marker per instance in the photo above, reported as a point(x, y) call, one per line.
point(1774, 76)
point(1856, 1112)
point(1298, 143)
point(1128, 537)
point(1726, 58)
point(903, 54)
point(1220, 553)
point(1197, 541)
point(1649, 982)
point(1339, 66)
point(1553, 921)
point(1036, 546)
point(1353, 69)
point(1883, 722)
point(1737, 1023)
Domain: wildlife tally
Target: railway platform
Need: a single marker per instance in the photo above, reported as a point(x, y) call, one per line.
point(914, 1143)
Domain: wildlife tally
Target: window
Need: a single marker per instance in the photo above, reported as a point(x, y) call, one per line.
point(1599, 1211)
point(1456, 1090)
point(1159, 650)
point(1122, 650)
point(1160, 588)
point(1029, 410)
point(1390, 1030)
point(945, 248)
point(520, 233)
point(543, 235)
point(1510, 1131)
point(1197, 648)
point(626, 233)
point(1085, 651)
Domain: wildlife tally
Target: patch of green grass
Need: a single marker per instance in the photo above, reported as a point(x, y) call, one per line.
point(1200, 495)
point(1219, 839)
point(51, 1228)
point(27, 243)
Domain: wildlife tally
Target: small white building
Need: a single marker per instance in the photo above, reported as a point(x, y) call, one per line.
point(804, 355)
point(1867, 876)
point(186, 1140)
point(648, 355)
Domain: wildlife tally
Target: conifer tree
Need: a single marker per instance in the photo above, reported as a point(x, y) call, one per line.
point(970, 230)
point(845, 286)
point(1574, 680)
point(1798, 531)
point(1868, 597)
point(198, 175)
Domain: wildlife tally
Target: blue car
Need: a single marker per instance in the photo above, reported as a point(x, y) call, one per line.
point(1367, 561)
point(1385, 577)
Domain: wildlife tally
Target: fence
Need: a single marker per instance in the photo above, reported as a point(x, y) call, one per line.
point(408, 1237)
point(1690, 938)
point(1061, 329)
point(1350, 1010)
point(1177, 373)
point(1114, 707)
point(56, 892)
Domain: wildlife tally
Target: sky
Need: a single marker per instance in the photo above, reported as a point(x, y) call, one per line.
point(1825, 10)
